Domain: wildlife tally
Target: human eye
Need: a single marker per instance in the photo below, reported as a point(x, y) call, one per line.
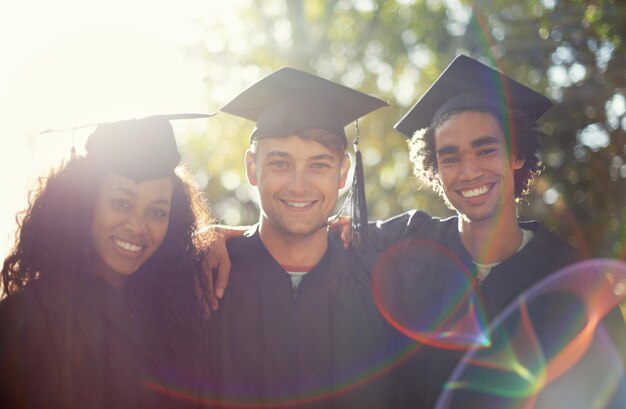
point(448, 160)
point(279, 164)
point(487, 151)
point(121, 204)
point(320, 165)
point(159, 213)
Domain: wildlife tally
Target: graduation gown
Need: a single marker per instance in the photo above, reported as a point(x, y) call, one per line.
point(428, 262)
point(320, 345)
point(78, 349)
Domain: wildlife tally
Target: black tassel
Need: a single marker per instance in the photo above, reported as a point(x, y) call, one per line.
point(359, 235)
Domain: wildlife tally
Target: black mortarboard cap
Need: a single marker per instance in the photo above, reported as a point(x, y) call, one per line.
point(140, 149)
point(289, 100)
point(468, 83)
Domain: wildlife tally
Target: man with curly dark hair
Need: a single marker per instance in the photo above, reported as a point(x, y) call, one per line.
point(105, 301)
point(424, 157)
point(474, 139)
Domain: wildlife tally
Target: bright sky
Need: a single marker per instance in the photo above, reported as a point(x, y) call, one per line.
point(72, 62)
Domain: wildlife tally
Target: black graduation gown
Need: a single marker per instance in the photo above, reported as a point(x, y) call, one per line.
point(78, 349)
point(319, 346)
point(425, 251)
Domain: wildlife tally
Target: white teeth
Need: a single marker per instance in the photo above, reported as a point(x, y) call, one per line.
point(475, 192)
point(126, 245)
point(299, 204)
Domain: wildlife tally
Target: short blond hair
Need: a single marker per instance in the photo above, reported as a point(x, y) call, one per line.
point(327, 139)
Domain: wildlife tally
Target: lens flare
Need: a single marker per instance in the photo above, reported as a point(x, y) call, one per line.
point(561, 344)
point(209, 397)
point(448, 313)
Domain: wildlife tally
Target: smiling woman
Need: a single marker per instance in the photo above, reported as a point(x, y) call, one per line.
point(106, 303)
point(130, 221)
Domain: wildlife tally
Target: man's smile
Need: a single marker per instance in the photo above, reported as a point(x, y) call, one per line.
point(298, 204)
point(477, 191)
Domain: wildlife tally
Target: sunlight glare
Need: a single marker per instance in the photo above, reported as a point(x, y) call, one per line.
point(71, 62)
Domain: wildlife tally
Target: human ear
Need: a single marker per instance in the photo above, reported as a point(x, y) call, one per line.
point(343, 172)
point(517, 162)
point(251, 168)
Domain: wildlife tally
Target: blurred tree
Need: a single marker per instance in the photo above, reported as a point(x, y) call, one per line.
point(571, 50)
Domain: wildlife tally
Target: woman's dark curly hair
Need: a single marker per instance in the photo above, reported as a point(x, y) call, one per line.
point(523, 133)
point(168, 293)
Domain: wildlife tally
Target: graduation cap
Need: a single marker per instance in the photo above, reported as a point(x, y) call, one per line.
point(289, 100)
point(139, 149)
point(467, 83)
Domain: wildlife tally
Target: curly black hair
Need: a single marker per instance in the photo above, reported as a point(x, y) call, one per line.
point(522, 136)
point(167, 294)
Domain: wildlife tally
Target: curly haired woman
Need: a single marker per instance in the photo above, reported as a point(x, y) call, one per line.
point(105, 302)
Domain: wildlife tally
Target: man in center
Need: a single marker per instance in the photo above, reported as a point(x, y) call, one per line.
point(297, 326)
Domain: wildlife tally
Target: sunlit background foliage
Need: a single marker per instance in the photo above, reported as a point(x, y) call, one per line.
point(571, 50)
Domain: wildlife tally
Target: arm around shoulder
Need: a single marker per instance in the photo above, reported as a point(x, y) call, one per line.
point(387, 232)
point(216, 261)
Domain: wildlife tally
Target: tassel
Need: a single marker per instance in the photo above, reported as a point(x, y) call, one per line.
point(359, 235)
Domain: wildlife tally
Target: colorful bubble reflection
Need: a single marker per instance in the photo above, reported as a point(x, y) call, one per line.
point(438, 306)
point(562, 344)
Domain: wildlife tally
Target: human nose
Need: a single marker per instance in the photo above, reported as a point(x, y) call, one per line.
point(136, 224)
point(299, 181)
point(469, 169)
